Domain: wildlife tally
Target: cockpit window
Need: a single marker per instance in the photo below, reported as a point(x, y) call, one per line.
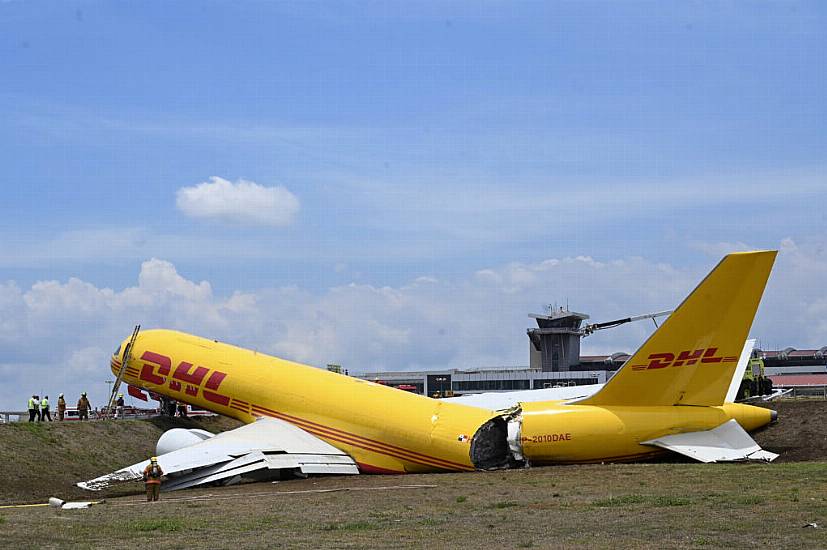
point(117, 352)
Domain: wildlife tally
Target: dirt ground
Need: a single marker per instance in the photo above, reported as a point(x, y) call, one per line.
point(800, 433)
point(656, 505)
point(594, 506)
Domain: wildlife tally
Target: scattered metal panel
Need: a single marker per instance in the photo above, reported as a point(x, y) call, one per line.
point(55, 502)
point(726, 443)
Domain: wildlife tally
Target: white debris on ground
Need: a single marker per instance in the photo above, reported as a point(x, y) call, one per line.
point(63, 505)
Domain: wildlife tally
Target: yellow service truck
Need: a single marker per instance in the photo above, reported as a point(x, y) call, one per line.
point(755, 382)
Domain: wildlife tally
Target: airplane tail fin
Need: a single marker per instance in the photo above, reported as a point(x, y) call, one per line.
point(692, 357)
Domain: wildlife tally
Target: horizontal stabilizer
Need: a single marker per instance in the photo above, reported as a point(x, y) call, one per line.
point(726, 443)
point(261, 448)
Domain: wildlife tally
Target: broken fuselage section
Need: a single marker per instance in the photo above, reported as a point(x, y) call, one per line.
point(557, 432)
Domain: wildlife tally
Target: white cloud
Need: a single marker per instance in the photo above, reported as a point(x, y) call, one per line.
point(87, 361)
point(243, 202)
point(160, 276)
point(57, 335)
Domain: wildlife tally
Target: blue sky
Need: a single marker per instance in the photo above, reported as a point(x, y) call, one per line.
point(428, 141)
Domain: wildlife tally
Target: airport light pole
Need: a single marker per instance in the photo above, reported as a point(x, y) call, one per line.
point(109, 390)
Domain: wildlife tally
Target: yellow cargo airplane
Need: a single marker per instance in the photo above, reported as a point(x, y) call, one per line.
point(670, 395)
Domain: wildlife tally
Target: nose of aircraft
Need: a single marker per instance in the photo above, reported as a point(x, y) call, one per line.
point(121, 351)
point(118, 355)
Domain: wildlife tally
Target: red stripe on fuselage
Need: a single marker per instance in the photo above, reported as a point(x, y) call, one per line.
point(370, 469)
point(387, 445)
point(363, 442)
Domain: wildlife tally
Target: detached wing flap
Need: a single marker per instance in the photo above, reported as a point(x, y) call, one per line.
point(726, 443)
point(267, 444)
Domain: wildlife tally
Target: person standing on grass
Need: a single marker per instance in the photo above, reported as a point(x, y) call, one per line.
point(32, 409)
point(119, 405)
point(37, 407)
point(83, 407)
point(61, 407)
point(152, 479)
point(44, 408)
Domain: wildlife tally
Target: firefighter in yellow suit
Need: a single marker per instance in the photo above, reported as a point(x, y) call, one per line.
point(152, 479)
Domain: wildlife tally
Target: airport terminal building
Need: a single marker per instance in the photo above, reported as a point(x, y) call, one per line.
point(555, 360)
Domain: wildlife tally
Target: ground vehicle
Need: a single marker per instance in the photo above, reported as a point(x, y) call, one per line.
point(755, 382)
point(198, 411)
point(73, 414)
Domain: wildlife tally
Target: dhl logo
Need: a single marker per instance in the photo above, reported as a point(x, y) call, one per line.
point(663, 360)
point(186, 378)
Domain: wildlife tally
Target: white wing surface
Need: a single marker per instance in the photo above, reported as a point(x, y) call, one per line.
point(498, 401)
point(258, 450)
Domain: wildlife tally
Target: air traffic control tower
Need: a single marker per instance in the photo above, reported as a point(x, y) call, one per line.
point(555, 343)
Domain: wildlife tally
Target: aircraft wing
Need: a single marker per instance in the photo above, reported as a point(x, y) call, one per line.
point(726, 443)
point(257, 450)
point(498, 401)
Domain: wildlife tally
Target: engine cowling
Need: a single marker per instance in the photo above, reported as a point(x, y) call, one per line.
point(178, 438)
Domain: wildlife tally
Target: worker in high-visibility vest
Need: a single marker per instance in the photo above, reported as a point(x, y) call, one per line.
point(61, 407)
point(44, 408)
point(32, 409)
point(152, 479)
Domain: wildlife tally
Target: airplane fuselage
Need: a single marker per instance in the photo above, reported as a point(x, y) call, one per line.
point(386, 430)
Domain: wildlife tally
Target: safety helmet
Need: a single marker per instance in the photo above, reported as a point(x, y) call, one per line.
point(60, 395)
point(120, 395)
point(154, 459)
point(83, 393)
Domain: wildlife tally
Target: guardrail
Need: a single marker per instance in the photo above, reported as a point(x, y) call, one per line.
point(818, 392)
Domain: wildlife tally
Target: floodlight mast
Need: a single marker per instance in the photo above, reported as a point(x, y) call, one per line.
point(590, 329)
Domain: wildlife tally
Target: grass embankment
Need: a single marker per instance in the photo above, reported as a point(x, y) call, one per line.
point(46, 459)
